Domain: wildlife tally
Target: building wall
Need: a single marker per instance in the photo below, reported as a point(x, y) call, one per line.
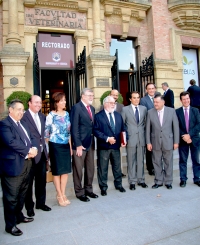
point(1, 68)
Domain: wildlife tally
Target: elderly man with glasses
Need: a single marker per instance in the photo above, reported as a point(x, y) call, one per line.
point(108, 126)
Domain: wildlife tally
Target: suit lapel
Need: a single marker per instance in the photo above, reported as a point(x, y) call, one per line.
point(182, 117)
point(16, 128)
point(132, 113)
point(106, 119)
point(86, 111)
point(30, 118)
point(42, 122)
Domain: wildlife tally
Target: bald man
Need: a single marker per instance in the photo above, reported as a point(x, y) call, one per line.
point(36, 122)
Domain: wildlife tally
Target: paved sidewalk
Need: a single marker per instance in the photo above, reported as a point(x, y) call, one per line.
point(143, 216)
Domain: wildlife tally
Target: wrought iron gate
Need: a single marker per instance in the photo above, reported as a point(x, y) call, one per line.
point(133, 80)
point(146, 73)
point(36, 72)
point(115, 73)
point(81, 73)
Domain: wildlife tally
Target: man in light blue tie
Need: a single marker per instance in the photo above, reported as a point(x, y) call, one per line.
point(108, 125)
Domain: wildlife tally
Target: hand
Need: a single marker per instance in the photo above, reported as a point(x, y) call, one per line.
point(175, 146)
point(111, 140)
point(32, 152)
point(149, 147)
point(123, 145)
point(79, 150)
point(71, 151)
point(186, 137)
point(189, 141)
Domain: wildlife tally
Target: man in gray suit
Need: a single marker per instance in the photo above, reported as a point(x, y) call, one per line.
point(147, 101)
point(134, 117)
point(162, 136)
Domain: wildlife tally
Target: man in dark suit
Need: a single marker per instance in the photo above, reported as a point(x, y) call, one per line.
point(82, 117)
point(147, 101)
point(162, 137)
point(194, 91)
point(118, 107)
point(134, 117)
point(168, 95)
point(108, 126)
point(189, 124)
point(36, 122)
point(17, 146)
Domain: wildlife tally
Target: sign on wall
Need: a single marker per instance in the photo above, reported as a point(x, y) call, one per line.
point(55, 51)
point(55, 18)
point(190, 67)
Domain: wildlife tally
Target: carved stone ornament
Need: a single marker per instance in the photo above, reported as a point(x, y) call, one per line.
point(14, 82)
point(185, 14)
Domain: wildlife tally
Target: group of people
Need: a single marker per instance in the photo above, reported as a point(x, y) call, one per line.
point(147, 124)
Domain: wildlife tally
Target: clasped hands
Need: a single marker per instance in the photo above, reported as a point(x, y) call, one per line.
point(186, 138)
point(112, 141)
point(32, 152)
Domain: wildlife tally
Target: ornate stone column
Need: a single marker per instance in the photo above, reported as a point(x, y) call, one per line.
point(13, 36)
point(97, 41)
point(13, 57)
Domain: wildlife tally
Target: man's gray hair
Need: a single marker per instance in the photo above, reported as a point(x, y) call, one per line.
point(84, 90)
point(165, 84)
point(14, 102)
point(107, 99)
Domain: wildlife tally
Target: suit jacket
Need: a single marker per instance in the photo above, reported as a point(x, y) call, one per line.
point(132, 127)
point(13, 150)
point(194, 95)
point(162, 137)
point(34, 131)
point(103, 130)
point(119, 107)
point(81, 126)
point(146, 101)
point(194, 125)
point(169, 98)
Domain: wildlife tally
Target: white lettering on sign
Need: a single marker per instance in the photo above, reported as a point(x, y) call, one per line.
point(55, 45)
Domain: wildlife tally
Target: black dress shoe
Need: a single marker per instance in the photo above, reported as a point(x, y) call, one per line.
point(197, 183)
point(169, 187)
point(121, 189)
point(143, 185)
point(30, 212)
point(123, 175)
point(92, 195)
point(151, 172)
point(14, 231)
point(44, 208)
point(132, 187)
point(83, 198)
point(156, 186)
point(25, 220)
point(182, 183)
point(103, 193)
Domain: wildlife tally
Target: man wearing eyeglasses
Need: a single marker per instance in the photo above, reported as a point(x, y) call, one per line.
point(108, 125)
point(82, 118)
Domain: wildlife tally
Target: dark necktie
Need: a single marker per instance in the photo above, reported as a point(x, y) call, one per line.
point(89, 111)
point(136, 115)
point(112, 123)
point(23, 135)
point(186, 119)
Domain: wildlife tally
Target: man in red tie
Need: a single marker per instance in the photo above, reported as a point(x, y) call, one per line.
point(189, 124)
point(82, 115)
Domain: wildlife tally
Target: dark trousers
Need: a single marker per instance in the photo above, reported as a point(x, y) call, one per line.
point(86, 161)
point(183, 157)
point(38, 172)
point(14, 191)
point(104, 156)
point(149, 163)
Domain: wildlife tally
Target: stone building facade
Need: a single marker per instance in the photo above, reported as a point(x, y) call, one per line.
point(161, 27)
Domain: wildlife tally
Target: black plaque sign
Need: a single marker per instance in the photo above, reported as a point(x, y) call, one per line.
point(102, 82)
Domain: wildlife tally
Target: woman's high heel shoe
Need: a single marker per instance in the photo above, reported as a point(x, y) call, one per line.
point(61, 202)
point(66, 200)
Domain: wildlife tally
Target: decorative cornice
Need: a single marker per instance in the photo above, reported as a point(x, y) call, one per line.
point(186, 14)
point(80, 6)
point(126, 10)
